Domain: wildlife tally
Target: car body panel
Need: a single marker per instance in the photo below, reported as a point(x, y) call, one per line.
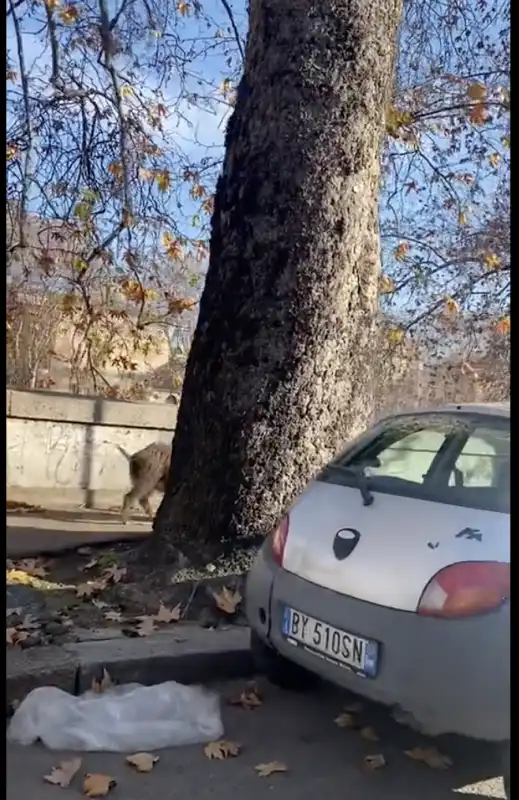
point(443, 676)
point(388, 566)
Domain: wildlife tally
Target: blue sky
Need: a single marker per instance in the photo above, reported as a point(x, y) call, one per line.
point(198, 126)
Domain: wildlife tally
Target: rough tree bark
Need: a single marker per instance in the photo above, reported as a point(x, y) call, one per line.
point(279, 371)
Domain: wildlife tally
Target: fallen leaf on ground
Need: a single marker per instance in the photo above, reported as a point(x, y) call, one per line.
point(30, 622)
point(346, 720)
point(90, 588)
point(264, 770)
point(15, 505)
point(84, 551)
point(92, 563)
point(143, 762)
point(9, 612)
point(10, 635)
point(227, 600)
point(222, 749)
point(249, 698)
point(146, 627)
point(97, 785)
point(165, 614)
point(375, 761)
point(430, 756)
point(100, 604)
point(33, 567)
point(114, 573)
point(369, 734)
point(63, 773)
point(101, 686)
point(114, 616)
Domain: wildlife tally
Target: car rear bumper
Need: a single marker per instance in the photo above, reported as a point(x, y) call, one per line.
point(447, 676)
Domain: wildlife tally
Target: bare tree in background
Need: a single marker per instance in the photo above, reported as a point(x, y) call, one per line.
point(113, 133)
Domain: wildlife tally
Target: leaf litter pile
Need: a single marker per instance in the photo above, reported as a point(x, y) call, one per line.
point(92, 589)
point(72, 772)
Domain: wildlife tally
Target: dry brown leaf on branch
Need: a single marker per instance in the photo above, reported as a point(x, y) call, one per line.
point(502, 326)
point(227, 600)
point(476, 91)
point(430, 756)
point(478, 114)
point(491, 260)
point(346, 720)
point(376, 761)
point(62, 774)
point(69, 14)
point(165, 614)
point(183, 8)
point(264, 770)
point(401, 251)
point(249, 698)
point(222, 749)
point(97, 785)
point(114, 573)
point(369, 734)
point(100, 686)
point(143, 762)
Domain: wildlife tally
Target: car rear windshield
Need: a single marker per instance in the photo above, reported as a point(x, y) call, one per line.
point(455, 460)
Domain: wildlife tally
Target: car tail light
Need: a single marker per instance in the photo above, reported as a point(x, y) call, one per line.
point(278, 539)
point(466, 589)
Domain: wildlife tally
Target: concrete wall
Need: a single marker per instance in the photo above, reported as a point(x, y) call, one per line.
point(65, 446)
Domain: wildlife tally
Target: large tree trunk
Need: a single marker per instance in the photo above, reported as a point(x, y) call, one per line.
point(279, 371)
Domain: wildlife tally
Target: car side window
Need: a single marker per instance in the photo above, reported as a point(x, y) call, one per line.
point(484, 461)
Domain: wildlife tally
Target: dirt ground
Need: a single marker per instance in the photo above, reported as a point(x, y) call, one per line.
point(83, 591)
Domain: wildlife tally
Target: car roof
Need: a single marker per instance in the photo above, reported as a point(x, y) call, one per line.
point(487, 409)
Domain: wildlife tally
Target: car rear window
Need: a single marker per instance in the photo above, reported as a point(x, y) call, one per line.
point(446, 459)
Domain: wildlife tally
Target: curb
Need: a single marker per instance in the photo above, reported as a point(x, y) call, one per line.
point(186, 654)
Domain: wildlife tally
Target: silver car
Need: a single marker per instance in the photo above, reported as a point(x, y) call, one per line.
point(390, 575)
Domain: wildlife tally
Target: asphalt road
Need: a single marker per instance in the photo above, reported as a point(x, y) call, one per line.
point(324, 761)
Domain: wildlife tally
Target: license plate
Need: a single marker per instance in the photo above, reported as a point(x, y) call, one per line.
point(332, 644)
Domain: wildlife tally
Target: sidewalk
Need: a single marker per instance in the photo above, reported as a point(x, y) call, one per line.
point(50, 530)
point(186, 653)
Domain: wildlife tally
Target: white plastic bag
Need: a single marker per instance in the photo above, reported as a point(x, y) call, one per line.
point(122, 719)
